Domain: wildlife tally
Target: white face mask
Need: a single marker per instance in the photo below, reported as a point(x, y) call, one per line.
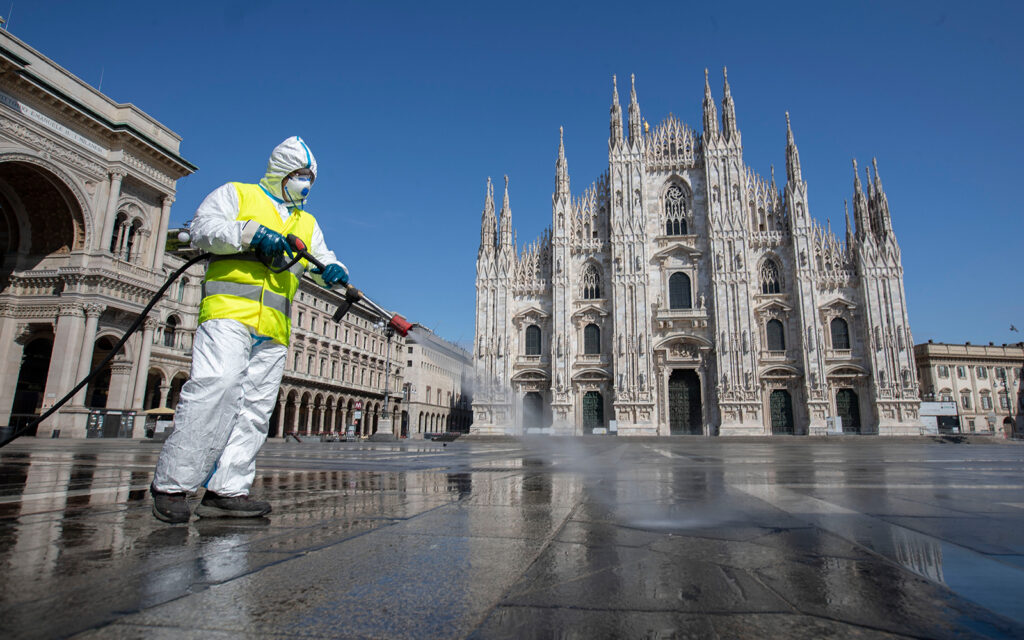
point(296, 189)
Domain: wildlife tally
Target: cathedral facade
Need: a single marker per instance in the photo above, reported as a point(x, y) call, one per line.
point(682, 293)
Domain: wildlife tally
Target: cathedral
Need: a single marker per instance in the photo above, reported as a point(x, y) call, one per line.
point(683, 293)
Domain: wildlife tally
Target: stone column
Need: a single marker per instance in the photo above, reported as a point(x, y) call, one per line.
point(122, 240)
point(161, 236)
point(320, 420)
point(92, 316)
point(110, 215)
point(277, 426)
point(67, 347)
point(11, 351)
point(142, 373)
point(120, 384)
point(164, 390)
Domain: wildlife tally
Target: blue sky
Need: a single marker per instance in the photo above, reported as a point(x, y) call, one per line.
point(409, 107)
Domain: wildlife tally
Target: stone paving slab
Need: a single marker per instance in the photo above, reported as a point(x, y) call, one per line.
point(588, 538)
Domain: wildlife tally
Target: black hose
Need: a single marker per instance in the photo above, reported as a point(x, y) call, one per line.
point(113, 352)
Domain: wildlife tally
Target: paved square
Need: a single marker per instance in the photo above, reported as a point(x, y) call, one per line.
point(593, 537)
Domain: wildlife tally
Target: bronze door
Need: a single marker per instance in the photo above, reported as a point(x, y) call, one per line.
point(533, 410)
point(782, 411)
point(848, 409)
point(684, 407)
point(593, 411)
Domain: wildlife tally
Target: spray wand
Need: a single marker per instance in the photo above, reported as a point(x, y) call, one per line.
point(352, 295)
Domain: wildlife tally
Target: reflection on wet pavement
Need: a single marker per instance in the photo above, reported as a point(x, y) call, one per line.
point(541, 537)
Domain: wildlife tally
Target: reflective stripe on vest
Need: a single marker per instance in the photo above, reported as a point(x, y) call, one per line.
point(241, 287)
point(250, 292)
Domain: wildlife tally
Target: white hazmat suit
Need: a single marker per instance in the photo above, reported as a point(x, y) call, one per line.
point(224, 409)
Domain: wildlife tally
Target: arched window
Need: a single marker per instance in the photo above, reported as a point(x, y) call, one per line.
point(840, 334)
point(115, 237)
point(533, 340)
point(770, 281)
point(679, 292)
point(675, 211)
point(591, 340)
point(132, 240)
point(591, 283)
point(170, 330)
point(776, 335)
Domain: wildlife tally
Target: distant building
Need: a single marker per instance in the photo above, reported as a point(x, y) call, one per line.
point(438, 385)
point(682, 293)
point(984, 381)
point(336, 369)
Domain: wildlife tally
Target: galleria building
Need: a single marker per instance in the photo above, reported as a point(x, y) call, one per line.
point(682, 293)
point(86, 186)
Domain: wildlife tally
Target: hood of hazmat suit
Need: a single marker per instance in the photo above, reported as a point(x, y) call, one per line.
point(289, 156)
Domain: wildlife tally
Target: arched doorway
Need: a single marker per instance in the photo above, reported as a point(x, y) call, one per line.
point(848, 408)
point(318, 408)
point(99, 387)
point(275, 417)
point(177, 382)
point(303, 426)
point(533, 411)
point(28, 394)
point(39, 216)
point(684, 403)
point(289, 412)
point(781, 407)
point(593, 411)
point(153, 383)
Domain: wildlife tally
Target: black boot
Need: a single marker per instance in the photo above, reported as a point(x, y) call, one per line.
point(170, 507)
point(215, 506)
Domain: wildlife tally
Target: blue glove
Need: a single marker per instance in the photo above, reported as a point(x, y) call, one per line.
point(333, 274)
point(270, 243)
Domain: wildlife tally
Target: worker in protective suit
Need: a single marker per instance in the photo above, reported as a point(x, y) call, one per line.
point(240, 346)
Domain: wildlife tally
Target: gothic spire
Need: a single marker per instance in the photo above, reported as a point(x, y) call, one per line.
point(792, 156)
point(561, 170)
point(616, 117)
point(506, 220)
point(710, 111)
point(860, 205)
point(881, 201)
point(728, 109)
point(488, 223)
point(635, 130)
point(849, 232)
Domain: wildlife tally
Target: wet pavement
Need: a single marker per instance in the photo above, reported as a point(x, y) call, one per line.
point(574, 538)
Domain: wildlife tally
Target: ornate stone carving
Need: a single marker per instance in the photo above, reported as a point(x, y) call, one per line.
point(149, 170)
point(71, 309)
point(93, 310)
point(50, 147)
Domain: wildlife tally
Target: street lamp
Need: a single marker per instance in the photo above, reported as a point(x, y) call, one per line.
point(1007, 372)
point(386, 430)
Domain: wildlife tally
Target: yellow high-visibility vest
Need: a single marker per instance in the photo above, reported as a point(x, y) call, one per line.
point(240, 287)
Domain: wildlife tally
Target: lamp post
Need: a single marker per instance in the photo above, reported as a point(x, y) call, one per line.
point(386, 430)
point(1004, 380)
